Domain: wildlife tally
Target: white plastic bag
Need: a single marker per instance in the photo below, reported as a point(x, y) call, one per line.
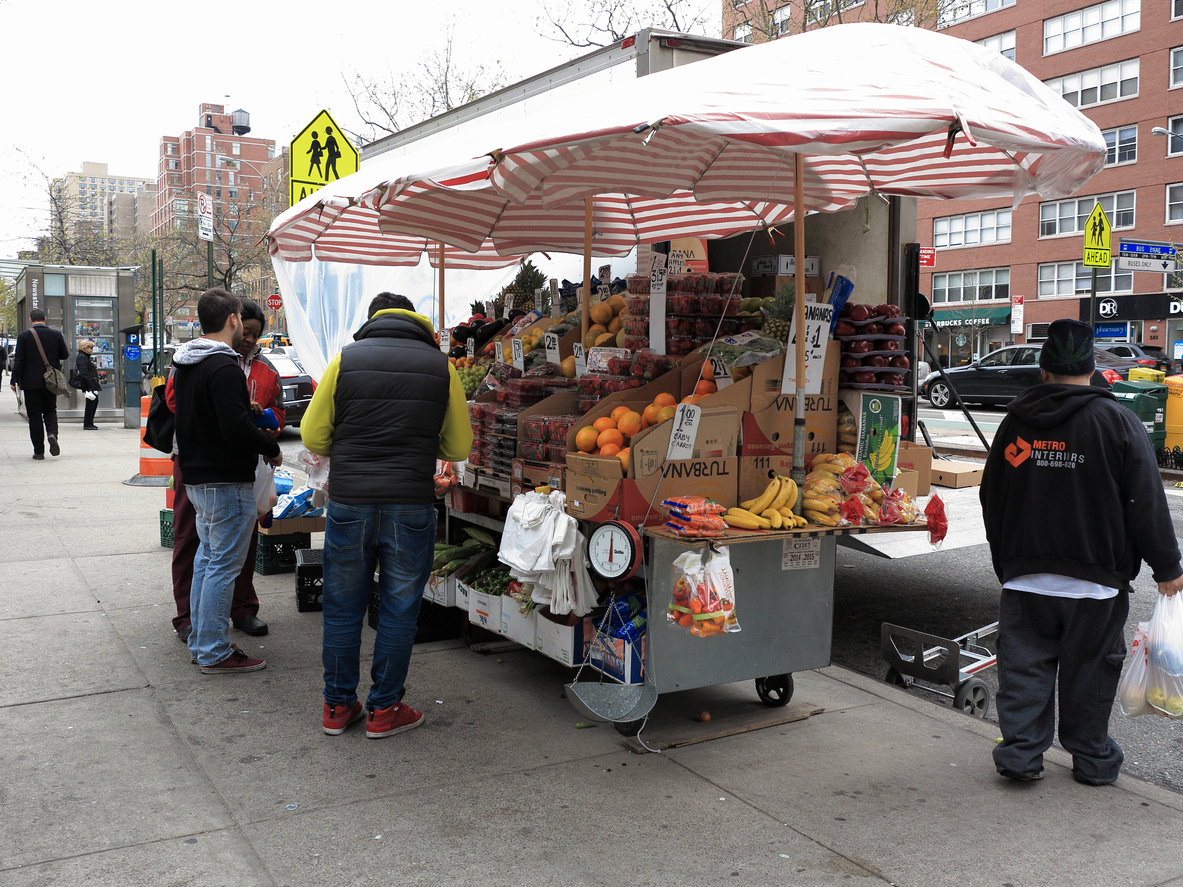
point(1131, 693)
point(265, 498)
point(1164, 687)
point(316, 467)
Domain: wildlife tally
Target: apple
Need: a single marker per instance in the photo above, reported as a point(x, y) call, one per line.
point(895, 329)
point(901, 361)
point(860, 313)
point(894, 311)
point(891, 379)
point(849, 360)
point(872, 329)
point(880, 310)
point(889, 345)
point(865, 378)
point(844, 328)
point(860, 346)
point(875, 360)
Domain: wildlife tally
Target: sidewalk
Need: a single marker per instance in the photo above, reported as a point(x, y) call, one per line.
point(123, 765)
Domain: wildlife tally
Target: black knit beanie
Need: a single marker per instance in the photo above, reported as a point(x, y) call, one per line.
point(1068, 350)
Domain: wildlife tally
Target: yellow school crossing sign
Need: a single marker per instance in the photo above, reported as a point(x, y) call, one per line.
point(1097, 240)
point(318, 155)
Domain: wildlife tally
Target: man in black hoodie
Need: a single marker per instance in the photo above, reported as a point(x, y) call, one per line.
point(1073, 503)
point(218, 447)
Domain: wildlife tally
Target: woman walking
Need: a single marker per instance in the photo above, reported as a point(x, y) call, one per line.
point(90, 378)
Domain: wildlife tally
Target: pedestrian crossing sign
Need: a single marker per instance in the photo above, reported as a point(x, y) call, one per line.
point(1097, 239)
point(318, 155)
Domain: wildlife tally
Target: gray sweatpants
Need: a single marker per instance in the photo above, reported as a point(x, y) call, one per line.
point(1084, 640)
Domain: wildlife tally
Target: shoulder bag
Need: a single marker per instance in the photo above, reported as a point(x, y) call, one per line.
point(161, 424)
point(55, 379)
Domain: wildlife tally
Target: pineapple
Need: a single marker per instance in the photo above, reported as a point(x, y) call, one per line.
point(477, 307)
point(520, 293)
point(780, 316)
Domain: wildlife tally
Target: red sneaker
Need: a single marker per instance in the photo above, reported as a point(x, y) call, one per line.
point(397, 719)
point(236, 662)
point(338, 717)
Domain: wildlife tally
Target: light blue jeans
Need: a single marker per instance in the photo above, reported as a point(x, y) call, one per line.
point(226, 518)
point(400, 540)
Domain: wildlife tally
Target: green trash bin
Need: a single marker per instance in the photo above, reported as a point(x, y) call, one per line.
point(1148, 401)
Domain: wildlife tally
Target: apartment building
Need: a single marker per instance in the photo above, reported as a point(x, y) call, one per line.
point(97, 201)
point(1002, 274)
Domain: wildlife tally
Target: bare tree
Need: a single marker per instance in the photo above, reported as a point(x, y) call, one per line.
point(603, 22)
point(758, 21)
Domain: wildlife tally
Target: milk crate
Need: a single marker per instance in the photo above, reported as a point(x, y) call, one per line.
point(166, 528)
point(309, 580)
point(277, 554)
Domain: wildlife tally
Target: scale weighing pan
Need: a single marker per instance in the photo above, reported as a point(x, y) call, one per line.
point(611, 702)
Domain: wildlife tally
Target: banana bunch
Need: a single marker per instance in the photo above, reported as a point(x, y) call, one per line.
point(847, 432)
point(771, 510)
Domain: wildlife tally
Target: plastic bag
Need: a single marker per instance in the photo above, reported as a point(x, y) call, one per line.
point(265, 498)
point(1164, 648)
point(897, 507)
point(1131, 693)
point(938, 523)
point(316, 467)
point(445, 477)
point(855, 480)
point(703, 597)
point(687, 575)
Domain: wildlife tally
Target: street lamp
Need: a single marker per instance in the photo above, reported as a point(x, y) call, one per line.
point(1159, 131)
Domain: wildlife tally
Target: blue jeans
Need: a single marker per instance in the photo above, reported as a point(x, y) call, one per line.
point(226, 517)
point(400, 540)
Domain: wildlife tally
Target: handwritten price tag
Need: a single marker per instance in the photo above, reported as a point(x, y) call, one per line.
point(519, 356)
point(684, 432)
point(471, 347)
point(552, 348)
point(499, 351)
point(446, 340)
point(580, 360)
point(657, 282)
point(817, 338)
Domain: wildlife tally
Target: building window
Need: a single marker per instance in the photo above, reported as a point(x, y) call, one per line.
point(1073, 278)
point(1003, 43)
point(1176, 67)
point(973, 229)
point(1121, 145)
point(1091, 24)
point(209, 143)
point(233, 192)
point(960, 10)
point(235, 148)
point(1069, 216)
point(781, 21)
point(1175, 139)
point(971, 286)
point(1108, 84)
point(742, 33)
point(1175, 203)
point(821, 11)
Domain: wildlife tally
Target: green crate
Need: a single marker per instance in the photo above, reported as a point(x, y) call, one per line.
point(166, 528)
point(277, 554)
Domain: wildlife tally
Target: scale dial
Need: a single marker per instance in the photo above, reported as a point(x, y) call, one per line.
point(614, 550)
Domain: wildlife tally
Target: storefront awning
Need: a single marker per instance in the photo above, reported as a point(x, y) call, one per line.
point(976, 316)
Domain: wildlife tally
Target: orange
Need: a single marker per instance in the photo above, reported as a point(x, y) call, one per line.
point(666, 413)
point(664, 400)
point(601, 312)
point(620, 411)
point(568, 367)
point(615, 325)
point(610, 450)
point(604, 423)
point(690, 399)
point(604, 341)
point(650, 414)
point(623, 457)
point(617, 302)
point(629, 423)
point(585, 439)
point(703, 388)
point(609, 437)
point(708, 371)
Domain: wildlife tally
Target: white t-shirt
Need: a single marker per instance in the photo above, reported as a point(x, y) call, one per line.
point(1054, 585)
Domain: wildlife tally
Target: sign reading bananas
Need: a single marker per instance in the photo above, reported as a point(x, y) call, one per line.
point(879, 433)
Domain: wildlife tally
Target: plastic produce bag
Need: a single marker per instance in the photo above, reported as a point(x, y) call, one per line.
point(1131, 693)
point(703, 592)
point(1164, 648)
point(265, 498)
point(938, 523)
point(316, 467)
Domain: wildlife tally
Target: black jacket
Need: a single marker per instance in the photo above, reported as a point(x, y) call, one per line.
point(389, 405)
point(28, 369)
point(88, 371)
point(217, 441)
point(1072, 487)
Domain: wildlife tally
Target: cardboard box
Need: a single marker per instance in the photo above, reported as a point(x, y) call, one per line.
point(294, 525)
point(918, 459)
point(622, 660)
point(598, 498)
point(907, 480)
point(877, 417)
point(485, 610)
point(737, 394)
point(768, 428)
point(566, 644)
point(463, 593)
point(947, 473)
point(765, 287)
point(771, 266)
point(517, 627)
point(441, 590)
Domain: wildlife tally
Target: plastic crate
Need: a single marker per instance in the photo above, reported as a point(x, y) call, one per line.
point(309, 579)
point(166, 528)
point(277, 554)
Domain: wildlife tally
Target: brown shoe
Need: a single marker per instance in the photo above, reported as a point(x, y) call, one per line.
point(54, 449)
point(235, 663)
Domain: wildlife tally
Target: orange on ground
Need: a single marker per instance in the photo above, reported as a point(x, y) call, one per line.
point(601, 312)
point(650, 414)
point(623, 457)
point(585, 439)
point(629, 423)
point(610, 450)
point(620, 411)
point(666, 413)
point(603, 423)
point(608, 438)
point(703, 388)
point(664, 400)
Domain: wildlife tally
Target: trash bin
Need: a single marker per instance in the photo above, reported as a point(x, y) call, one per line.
point(1148, 401)
point(1144, 374)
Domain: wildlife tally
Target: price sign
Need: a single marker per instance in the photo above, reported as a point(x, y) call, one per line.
point(580, 360)
point(605, 275)
point(657, 276)
point(556, 303)
point(500, 351)
point(684, 431)
point(519, 356)
point(489, 310)
point(471, 347)
point(677, 262)
point(551, 340)
point(538, 300)
point(722, 373)
point(817, 337)
point(445, 340)
point(505, 309)
point(602, 293)
point(469, 476)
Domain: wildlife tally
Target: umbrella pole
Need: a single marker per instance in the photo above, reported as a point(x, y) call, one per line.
point(798, 471)
point(441, 272)
point(585, 307)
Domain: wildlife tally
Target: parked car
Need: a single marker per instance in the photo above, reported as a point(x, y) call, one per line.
point(297, 384)
point(1147, 355)
point(1002, 375)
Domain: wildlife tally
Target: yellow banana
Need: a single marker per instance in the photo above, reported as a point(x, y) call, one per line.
point(744, 514)
point(747, 506)
point(744, 521)
point(782, 493)
point(765, 498)
point(831, 467)
point(774, 517)
point(822, 458)
point(791, 498)
point(824, 519)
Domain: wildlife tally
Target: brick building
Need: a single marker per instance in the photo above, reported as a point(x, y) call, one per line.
point(1122, 65)
point(98, 202)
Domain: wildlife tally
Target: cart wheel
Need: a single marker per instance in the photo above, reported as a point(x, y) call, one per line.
point(972, 697)
point(629, 728)
point(775, 690)
point(896, 679)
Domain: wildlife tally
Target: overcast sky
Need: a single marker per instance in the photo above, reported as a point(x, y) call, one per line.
point(104, 82)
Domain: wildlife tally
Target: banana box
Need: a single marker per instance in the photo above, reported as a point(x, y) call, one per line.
point(877, 417)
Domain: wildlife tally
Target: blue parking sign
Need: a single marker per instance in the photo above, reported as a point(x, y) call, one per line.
point(132, 352)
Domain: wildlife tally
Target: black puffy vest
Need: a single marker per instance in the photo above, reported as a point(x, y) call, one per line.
point(391, 397)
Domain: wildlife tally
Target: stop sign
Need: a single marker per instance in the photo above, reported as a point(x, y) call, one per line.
point(275, 301)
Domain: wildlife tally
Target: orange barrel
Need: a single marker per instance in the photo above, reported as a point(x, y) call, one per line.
point(153, 463)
